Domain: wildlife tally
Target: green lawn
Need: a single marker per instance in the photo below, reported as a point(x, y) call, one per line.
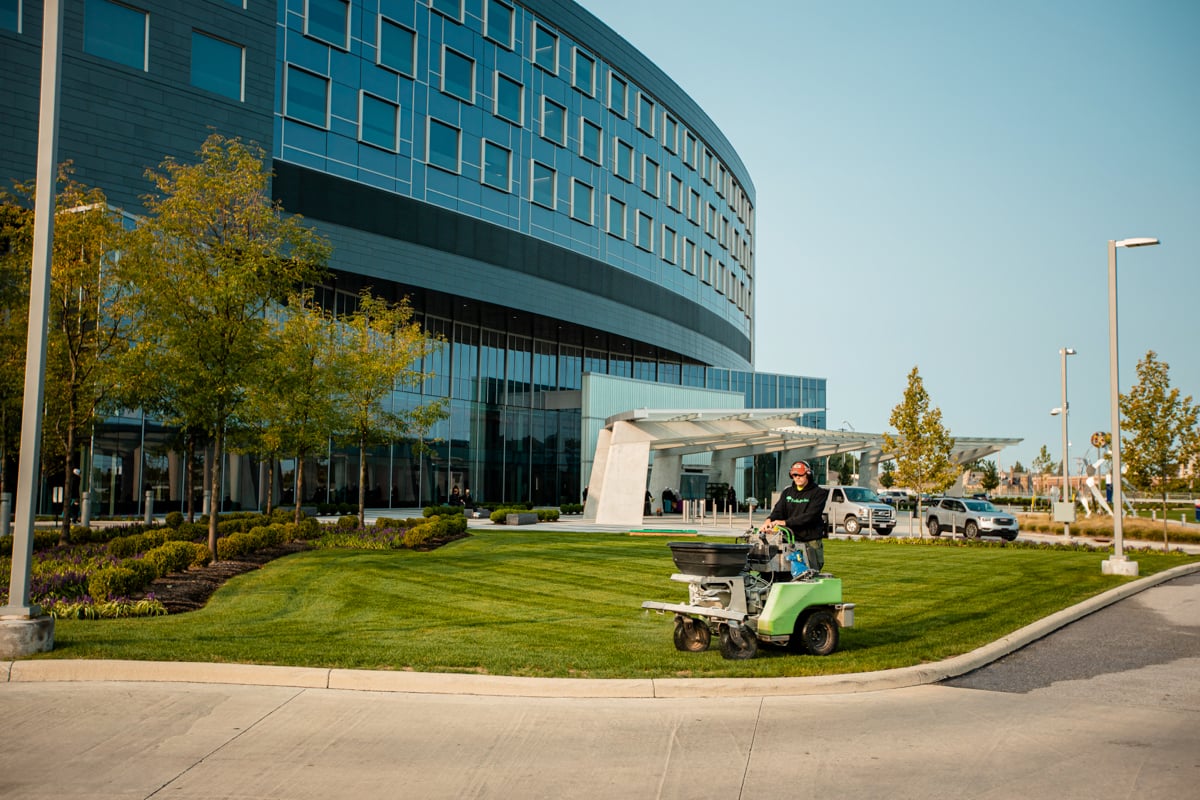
point(562, 604)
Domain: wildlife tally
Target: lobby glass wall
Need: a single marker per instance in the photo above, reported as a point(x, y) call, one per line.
point(512, 434)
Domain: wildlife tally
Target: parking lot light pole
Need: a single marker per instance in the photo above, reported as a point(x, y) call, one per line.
point(1066, 467)
point(1117, 564)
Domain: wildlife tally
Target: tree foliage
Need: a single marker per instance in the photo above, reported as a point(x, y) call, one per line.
point(887, 474)
point(16, 224)
point(378, 348)
point(1044, 463)
point(991, 476)
point(86, 327)
point(213, 255)
point(1163, 437)
point(922, 445)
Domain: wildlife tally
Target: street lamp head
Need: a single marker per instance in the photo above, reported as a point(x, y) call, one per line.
point(1144, 241)
point(1067, 351)
point(1054, 412)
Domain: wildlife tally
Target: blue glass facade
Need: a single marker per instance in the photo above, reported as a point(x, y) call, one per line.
point(550, 202)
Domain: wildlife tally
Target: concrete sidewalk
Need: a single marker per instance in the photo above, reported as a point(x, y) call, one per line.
point(1119, 730)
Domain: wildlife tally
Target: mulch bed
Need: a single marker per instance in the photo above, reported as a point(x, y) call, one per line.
point(187, 591)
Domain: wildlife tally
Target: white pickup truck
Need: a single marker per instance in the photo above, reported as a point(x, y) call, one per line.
point(857, 507)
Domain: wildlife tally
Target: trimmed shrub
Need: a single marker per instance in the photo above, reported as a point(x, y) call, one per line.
point(200, 555)
point(113, 582)
point(347, 523)
point(174, 519)
point(442, 511)
point(172, 557)
point(547, 515)
point(126, 546)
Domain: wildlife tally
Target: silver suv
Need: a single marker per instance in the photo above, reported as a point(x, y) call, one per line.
point(973, 518)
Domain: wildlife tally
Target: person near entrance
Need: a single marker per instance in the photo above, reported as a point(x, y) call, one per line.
point(799, 511)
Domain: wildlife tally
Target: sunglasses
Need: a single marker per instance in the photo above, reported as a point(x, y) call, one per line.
point(797, 474)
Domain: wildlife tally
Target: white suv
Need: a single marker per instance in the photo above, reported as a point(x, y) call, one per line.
point(857, 507)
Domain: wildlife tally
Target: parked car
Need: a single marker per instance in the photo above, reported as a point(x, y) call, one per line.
point(857, 507)
point(970, 517)
point(893, 497)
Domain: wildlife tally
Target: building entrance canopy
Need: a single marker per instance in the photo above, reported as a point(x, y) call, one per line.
point(617, 486)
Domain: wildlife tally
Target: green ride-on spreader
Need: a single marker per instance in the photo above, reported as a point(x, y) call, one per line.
point(755, 590)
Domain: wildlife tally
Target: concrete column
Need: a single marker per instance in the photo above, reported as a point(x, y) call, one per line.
point(621, 490)
point(5, 514)
point(664, 474)
point(85, 509)
point(868, 468)
point(149, 505)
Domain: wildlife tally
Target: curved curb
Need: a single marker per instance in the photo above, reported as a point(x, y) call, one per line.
point(51, 670)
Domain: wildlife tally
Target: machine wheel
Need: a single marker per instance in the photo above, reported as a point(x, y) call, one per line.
point(691, 636)
point(884, 531)
point(971, 531)
point(816, 634)
point(934, 530)
point(738, 643)
point(852, 526)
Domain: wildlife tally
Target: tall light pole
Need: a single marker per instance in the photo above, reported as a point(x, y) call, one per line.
point(1117, 564)
point(1067, 511)
point(24, 629)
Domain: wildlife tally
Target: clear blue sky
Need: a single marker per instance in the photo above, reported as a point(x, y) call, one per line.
point(937, 183)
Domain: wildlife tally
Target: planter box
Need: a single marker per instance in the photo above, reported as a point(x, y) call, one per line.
point(523, 518)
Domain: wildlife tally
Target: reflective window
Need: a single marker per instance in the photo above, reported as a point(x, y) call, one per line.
point(670, 133)
point(554, 121)
point(458, 75)
point(510, 99)
point(451, 8)
point(116, 32)
point(674, 191)
point(623, 160)
point(645, 232)
point(217, 65)
point(545, 48)
point(689, 256)
point(584, 78)
point(650, 177)
point(397, 47)
point(618, 94)
point(329, 21)
point(500, 22)
point(544, 182)
point(689, 149)
point(616, 217)
point(581, 201)
point(693, 211)
point(307, 97)
point(645, 120)
point(444, 149)
point(10, 15)
point(379, 122)
point(497, 166)
point(668, 245)
point(589, 141)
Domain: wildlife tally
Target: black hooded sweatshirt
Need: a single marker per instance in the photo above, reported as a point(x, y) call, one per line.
point(800, 511)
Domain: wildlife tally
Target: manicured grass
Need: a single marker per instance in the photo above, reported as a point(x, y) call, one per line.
point(562, 604)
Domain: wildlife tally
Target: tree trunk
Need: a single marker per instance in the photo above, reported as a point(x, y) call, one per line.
point(64, 537)
point(215, 492)
point(299, 486)
point(189, 477)
point(362, 482)
point(1166, 544)
point(270, 484)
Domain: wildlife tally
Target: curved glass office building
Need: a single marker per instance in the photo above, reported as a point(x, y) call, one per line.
point(550, 202)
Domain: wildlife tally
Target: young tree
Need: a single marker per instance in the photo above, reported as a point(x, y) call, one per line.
point(379, 347)
point(1162, 427)
point(294, 409)
point(887, 474)
point(15, 223)
point(922, 445)
point(991, 476)
point(86, 328)
point(213, 255)
point(1044, 464)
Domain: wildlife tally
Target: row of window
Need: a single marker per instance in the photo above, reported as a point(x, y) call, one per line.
point(121, 33)
point(307, 99)
point(329, 21)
